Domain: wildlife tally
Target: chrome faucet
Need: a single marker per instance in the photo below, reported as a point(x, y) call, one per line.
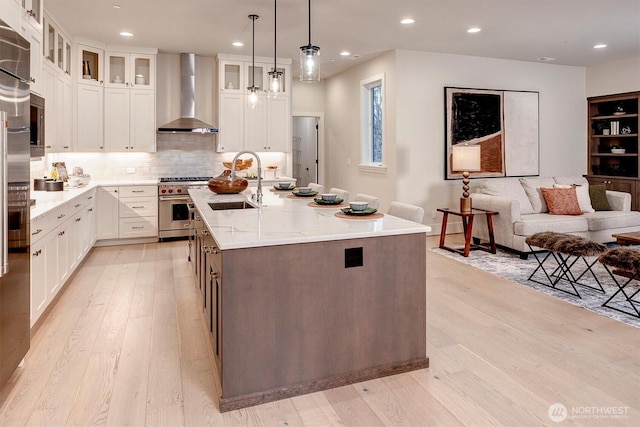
point(233, 172)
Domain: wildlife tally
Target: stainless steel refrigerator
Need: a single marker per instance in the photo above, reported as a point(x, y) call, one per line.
point(14, 200)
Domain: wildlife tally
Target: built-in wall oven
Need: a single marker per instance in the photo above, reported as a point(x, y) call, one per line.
point(37, 126)
point(175, 207)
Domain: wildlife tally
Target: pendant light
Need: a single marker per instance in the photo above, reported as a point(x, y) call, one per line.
point(309, 64)
point(274, 75)
point(253, 90)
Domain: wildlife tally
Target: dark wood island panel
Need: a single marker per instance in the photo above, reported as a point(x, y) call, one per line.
point(293, 319)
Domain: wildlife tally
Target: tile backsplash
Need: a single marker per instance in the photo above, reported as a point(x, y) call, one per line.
point(179, 154)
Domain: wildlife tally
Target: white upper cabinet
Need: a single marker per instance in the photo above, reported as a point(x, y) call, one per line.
point(32, 13)
point(133, 70)
point(130, 103)
point(263, 127)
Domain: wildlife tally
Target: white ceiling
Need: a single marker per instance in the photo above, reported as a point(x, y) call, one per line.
point(511, 29)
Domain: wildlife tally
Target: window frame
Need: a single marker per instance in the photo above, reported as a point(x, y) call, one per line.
point(366, 144)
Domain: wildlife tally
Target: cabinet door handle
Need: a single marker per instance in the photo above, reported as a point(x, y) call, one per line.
point(61, 216)
point(137, 227)
point(61, 233)
point(38, 252)
point(78, 219)
point(91, 210)
point(137, 207)
point(137, 191)
point(38, 231)
point(78, 205)
point(90, 197)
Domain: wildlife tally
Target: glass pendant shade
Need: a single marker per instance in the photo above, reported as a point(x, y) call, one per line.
point(275, 83)
point(253, 96)
point(309, 64)
point(309, 61)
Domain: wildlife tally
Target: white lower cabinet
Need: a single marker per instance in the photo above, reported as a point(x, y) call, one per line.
point(127, 212)
point(60, 239)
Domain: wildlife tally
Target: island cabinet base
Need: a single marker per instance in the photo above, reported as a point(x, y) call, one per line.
point(295, 319)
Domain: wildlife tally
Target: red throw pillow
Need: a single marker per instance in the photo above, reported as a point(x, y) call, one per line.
point(561, 201)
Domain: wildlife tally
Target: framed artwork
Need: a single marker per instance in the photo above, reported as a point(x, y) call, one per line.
point(62, 171)
point(503, 122)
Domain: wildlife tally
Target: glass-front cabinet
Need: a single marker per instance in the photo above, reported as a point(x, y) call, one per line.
point(57, 47)
point(32, 12)
point(130, 70)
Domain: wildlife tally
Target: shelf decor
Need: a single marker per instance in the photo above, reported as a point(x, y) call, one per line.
point(503, 123)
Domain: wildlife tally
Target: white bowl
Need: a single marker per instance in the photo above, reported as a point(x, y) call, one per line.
point(358, 206)
point(328, 197)
point(304, 190)
point(84, 180)
point(618, 150)
point(284, 185)
point(73, 182)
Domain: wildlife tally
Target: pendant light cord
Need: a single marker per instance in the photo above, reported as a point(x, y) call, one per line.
point(275, 33)
point(309, 22)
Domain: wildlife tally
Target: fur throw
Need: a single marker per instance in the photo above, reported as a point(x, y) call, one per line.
point(622, 258)
point(566, 244)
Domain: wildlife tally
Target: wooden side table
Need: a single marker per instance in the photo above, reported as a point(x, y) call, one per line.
point(467, 225)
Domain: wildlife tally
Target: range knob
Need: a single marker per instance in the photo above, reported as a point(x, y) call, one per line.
point(170, 190)
point(179, 190)
point(164, 190)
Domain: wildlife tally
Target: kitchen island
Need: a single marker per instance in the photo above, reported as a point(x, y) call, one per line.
point(298, 300)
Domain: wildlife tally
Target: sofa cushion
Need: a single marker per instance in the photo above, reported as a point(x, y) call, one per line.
point(598, 195)
point(561, 201)
point(609, 220)
point(570, 180)
point(509, 188)
point(532, 189)
point(582, 191)
point(536, 223)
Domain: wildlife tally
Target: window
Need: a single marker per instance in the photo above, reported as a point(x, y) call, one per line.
point(372, 131)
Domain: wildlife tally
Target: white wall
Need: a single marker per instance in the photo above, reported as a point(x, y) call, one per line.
point(421, 78)
point(614, 77)
point(342, 110)
point(415, 117)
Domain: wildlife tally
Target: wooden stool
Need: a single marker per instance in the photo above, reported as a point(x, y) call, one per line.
point(626, 261)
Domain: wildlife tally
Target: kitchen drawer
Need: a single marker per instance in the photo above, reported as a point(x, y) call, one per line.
point(76, 204)
point(139, 206)
point(42, 225)
point(139, 191)
point(138, 227)
point(62, 213)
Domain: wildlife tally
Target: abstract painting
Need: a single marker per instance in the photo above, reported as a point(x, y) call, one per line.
point(505, 125)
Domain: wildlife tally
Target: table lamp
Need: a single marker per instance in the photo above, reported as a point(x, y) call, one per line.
point(465, 159)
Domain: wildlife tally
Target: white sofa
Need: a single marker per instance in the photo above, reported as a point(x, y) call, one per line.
point(522, 212)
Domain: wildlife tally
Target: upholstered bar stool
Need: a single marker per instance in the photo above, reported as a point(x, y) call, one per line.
point(406, 211)
point(342, 194)
point(566, 250)
point(373, 202)
point(316, 187)
point(625, 263)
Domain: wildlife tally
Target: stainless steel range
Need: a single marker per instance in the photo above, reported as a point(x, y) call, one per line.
point(174, 205)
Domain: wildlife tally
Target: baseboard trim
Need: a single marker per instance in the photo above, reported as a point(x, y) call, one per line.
point(238, 402)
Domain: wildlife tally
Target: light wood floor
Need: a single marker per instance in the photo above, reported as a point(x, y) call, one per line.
point(125, 345)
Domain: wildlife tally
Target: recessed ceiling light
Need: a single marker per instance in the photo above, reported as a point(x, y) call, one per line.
point(126, 34)
point(116, 6)
point(474, 30)
point(238, 44)
point(407, 21)
point(546, 58)
point(345, 53)
point(600, 46)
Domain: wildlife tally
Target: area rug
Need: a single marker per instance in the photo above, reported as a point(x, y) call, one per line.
point(509, 266)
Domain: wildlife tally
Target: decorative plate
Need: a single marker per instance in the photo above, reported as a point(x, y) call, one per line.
point(310, 194)
point(337, 201)
point(349, 211)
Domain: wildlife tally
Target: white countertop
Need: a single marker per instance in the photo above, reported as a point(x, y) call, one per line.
point(282, 220)
point(48, 200)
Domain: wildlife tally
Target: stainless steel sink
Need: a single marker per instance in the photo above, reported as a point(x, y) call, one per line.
point(240, 204)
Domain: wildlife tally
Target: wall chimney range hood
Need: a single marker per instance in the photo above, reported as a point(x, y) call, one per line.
point(188, 121)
